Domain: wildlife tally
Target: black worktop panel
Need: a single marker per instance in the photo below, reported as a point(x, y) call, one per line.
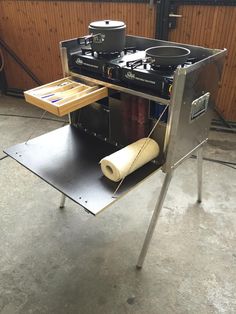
point(68, 159)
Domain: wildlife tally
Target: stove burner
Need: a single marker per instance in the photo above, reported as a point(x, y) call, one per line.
point(87, 51)
point(171, 68)
point(100, 54)
point(107, 55)
point(130, 67)
point(130, 49)
point(164, 68)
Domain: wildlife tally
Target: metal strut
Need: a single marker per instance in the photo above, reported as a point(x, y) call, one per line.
point(153, 222)
point(63, 197)
point(199, 174)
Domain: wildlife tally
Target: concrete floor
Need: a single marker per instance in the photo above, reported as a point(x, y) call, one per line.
point(67, 261)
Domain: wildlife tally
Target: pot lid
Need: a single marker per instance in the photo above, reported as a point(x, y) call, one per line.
point(108, 24)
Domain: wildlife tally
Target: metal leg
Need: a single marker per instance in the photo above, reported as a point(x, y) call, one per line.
point(153, 222)
point(199, 174)
point(63, 199)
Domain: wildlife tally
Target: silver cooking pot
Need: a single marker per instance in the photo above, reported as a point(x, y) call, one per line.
point(105, 36)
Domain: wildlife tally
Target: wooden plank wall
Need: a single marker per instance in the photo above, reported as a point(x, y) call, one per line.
point(214, 27)
point(33, 30)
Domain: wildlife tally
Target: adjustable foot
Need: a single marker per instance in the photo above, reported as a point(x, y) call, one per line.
point(138, 267)
point(62, 203)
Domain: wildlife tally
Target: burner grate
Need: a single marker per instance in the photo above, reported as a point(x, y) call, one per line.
point(164, 68)
point(107, 55)
point(129, 49)
point(87, 51)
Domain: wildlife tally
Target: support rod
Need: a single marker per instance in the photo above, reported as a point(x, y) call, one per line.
point(154, 219)
point(199, 174)
point(20, 62)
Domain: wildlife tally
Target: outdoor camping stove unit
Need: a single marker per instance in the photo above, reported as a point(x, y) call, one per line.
point(139, 91)
point(128, 95)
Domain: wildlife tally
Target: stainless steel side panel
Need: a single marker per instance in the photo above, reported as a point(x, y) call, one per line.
point(184, 135)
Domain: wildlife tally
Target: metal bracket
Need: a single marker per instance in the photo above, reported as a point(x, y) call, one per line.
point(199, 107)
point(173, 16)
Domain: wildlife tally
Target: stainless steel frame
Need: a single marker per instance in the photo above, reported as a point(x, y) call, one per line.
point(190, 110)
point(154, 219)
point(199, 174)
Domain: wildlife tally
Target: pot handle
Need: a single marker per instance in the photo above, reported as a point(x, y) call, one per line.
point(150, 60)
point(90, 39)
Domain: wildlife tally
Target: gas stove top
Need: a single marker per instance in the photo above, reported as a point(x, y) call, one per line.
point(128, 68)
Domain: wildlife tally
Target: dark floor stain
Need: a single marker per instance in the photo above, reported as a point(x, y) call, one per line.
point(131, 300)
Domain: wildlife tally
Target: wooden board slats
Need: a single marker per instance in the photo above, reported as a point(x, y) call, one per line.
point(33, 29)
point(213, 27)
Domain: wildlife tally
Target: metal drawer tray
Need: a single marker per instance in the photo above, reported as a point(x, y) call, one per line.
point(64, 96)
point(68, 159)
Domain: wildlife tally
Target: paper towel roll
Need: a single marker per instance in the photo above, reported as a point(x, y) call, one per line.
point(123, 162)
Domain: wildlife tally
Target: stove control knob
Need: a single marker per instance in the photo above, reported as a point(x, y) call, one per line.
point(109, 72)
